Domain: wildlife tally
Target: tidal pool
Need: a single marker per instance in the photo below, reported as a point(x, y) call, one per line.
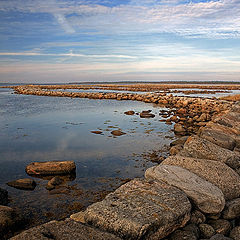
point(40, 128)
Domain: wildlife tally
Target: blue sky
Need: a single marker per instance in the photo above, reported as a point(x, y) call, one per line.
point(92, 40)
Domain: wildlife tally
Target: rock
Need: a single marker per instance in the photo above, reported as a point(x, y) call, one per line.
point(97, 132)
point(3, 197)
point(65, 230)
point(217, 173)
point(179, 141)
point(175, 149)
point(206, 196)
point(179, 129)
point(174, 118)
point(235, 233)
point(219, 237)
point(78, 217)
point(219, 138)
point(141, 209)
point(206, 230)
point(51, 168)
point(181, 234)
point(197, 217)
point(60, 190)
point(197, 147)
point(9, 220)
point(117, 133)
point(204, 117)
point(25, 184)
point(129, 113)
point(221, 226)
point(55, 181)
point(143, 114)
point(214, 216)
point(232, 209)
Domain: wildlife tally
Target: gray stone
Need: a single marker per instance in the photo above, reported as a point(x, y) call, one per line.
point(197, 217)
point(232, 209)
point(206, 196)
point(219, 138)
point(235, 233)
point(24, 183)
point(197, 147)
point(141, 209)
point(64, 230)
point(3, 197)
point(221, 226)
point(217, 173)
point(51, 168)
point(206, 230)
point(219, 237)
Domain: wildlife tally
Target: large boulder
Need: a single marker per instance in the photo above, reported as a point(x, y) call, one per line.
point(51, 168)
point(141, 209)
point(206, 196)
point(65, 230)
point(217, 173)
point(3, 197)
point(197, 147)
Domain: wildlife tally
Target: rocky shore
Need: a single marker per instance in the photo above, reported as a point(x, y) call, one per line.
point(193, 194)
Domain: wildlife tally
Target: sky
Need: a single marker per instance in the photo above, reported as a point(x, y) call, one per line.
point(56, 41)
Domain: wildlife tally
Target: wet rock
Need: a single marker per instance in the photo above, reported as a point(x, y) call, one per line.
point(60, 190)
point(232, 209)
point(117, 133)
point(25, 184)
point(55, 181)
point(221, 226)
point(144, 114)
point(3, 197)
point(51, 168)
point(179, 141)
point(129, 112)
point(97, 132)
point(65, 230)
point(141, 209)
point(235, 233)
point(206, 230)
point(206, 196)
point(197, 217)
point(219, 138)
point(197, 147)
point(217, 173)
point(8, 220)
point(174, 118)
point(219, 237)
point(179, 129)
point(175, 149)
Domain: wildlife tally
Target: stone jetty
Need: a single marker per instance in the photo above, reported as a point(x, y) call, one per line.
point(193, 194)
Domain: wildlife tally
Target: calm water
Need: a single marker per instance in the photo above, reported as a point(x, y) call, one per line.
point(36, 128)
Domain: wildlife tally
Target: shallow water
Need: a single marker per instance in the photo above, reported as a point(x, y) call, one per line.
point(39, 128)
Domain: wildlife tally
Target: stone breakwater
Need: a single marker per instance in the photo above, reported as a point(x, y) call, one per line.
point(193, 194)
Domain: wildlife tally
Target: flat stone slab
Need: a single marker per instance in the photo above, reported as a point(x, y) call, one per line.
point(64, 230)
point(206, 196)
point(51, 168)
point(141, 209)
point(23, 183)
point(217, 173)
point(197, 147)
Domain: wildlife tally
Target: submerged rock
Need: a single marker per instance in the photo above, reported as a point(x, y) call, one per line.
point(55, 181)
point(129, 112)
point(141, 209)
point(215, 172)
point(146, 114)
point(51, 168)
point(97, 132)
point(117, 133)
point(24, 183)
point(3, 197)
point(206, 196)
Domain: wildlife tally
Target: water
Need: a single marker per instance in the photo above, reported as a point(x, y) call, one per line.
point(39, 128)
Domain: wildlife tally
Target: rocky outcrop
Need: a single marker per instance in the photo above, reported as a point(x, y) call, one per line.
point(206, 196)
point(217, 173)
point(141, 209)
point(51, 168)
point(24, 183)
